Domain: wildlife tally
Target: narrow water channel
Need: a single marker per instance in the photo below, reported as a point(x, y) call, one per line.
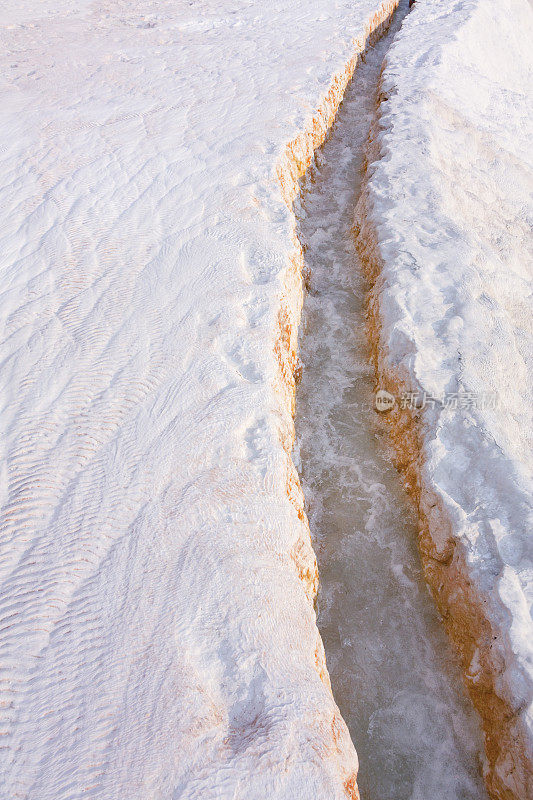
point(393, 673)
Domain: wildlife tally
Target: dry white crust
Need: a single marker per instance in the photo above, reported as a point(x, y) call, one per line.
point(445, 229)
point(157, 631)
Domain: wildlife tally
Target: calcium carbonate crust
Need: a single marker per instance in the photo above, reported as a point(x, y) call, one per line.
point(442, 231)
point(157, 623)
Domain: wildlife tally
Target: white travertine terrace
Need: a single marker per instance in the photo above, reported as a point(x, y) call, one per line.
point(445, 232)
point(157, 630)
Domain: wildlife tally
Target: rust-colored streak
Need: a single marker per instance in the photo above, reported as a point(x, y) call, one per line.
point(350, 787)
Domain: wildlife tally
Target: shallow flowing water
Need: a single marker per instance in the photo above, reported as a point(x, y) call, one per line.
point(393, 673)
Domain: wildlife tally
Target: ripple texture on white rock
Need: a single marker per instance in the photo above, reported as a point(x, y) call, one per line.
point(157, 633)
